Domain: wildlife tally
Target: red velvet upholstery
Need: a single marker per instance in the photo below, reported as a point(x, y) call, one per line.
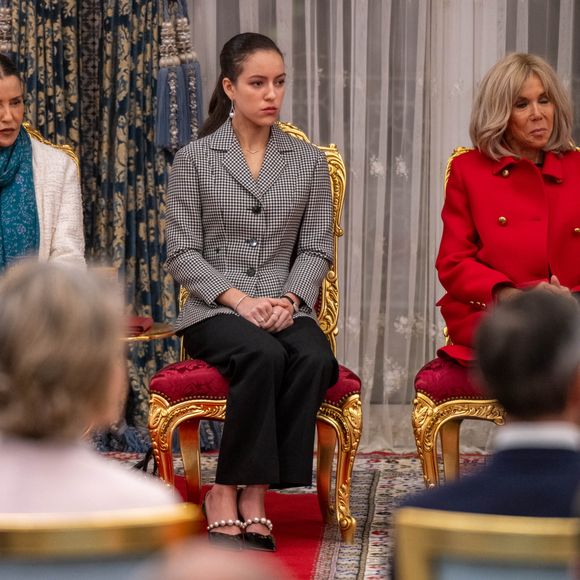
point(195, 379)
point(189, 379)
point(348, 384)
point(442, 379)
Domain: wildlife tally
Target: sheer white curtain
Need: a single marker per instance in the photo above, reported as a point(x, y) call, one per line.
point(391, 83)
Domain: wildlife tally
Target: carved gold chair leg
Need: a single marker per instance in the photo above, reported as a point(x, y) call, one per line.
point(429, 462)
point(346, 521)
point(449, 433)
point(159, 431)
point(189, 445)
point(326, 446)
point(347, 423)
point(430, 419)
point(424, 428)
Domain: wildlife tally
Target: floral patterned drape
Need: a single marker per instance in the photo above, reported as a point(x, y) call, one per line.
point(45, 40)
point(90, 69)
point(126, 203)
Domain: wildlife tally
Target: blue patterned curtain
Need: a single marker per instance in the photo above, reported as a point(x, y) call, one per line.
point(45, 40)
point(90, 69)
point(125, 208)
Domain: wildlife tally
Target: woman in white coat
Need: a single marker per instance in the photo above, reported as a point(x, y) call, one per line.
point(40, 197)
point(249, 235)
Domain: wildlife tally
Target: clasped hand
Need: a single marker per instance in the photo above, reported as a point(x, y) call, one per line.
point(270, 314)
point(553, 286)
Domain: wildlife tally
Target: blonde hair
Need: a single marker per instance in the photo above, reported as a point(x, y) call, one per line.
point(497, 95)
point(60, 339)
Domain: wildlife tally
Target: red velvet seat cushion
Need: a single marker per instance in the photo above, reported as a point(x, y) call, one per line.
point(442, 379)
point(348, 384)
point(189, 379)
point(195, 379)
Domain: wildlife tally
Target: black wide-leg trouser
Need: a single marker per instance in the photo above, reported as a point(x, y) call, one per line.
point(277, 383)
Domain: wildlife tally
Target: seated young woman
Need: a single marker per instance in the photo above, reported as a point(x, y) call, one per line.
point(249, 235)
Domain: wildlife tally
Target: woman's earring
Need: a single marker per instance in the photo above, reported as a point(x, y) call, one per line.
point(232, 110)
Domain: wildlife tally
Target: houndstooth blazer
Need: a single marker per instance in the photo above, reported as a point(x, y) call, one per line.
point(265, 237)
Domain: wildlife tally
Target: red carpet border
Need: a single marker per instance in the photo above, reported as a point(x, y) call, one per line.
point(309, 549)
point(298, 528)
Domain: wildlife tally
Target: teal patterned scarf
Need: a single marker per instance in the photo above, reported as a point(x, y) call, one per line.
point(19, 228)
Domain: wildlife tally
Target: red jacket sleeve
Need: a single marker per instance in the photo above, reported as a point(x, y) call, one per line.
point(461, 273)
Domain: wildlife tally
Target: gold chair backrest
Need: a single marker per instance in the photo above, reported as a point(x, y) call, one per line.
point(328, 303)
point(425, 538)
point(97, 534)
point(35, 134)
point(456, 153)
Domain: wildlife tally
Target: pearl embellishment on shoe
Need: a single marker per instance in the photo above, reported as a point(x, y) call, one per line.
point(264, 521)
point(223, 524)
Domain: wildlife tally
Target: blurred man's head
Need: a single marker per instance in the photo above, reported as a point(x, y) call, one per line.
point(528, 356)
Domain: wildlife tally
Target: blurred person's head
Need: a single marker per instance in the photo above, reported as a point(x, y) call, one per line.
point(521, 109)
point(528, 356)
point(62, 366)
point(197, 560)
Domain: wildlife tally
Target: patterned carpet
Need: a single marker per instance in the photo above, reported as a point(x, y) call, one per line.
point(380, 481)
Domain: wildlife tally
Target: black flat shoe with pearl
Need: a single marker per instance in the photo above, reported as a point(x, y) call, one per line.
point(221, 540)
point(255, 541)
point(226, 541)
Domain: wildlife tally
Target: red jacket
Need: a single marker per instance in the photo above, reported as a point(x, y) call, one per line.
point(505, 222)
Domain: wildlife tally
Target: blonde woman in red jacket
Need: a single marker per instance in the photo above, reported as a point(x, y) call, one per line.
point(512, 205)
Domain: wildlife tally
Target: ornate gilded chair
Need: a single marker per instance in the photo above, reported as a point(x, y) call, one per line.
point(184, 393)
point(112, 544)
point(445, 396)
point(434, 544)
point(36, 134)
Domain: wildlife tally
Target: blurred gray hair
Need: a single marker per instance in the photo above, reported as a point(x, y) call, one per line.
point(60, 337)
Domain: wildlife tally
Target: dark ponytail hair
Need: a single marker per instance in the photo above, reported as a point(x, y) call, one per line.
point(235, 51)
point(8, 68)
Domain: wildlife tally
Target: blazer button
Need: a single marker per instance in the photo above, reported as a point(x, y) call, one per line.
point(505, 172)
point(251, 272)
point(502, 221)
point(576, 231)
point(252, 243)
point(256, 209)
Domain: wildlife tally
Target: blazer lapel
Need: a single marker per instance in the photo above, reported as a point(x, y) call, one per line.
point(234, 162)
point(224, 140)
point(274, 160)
